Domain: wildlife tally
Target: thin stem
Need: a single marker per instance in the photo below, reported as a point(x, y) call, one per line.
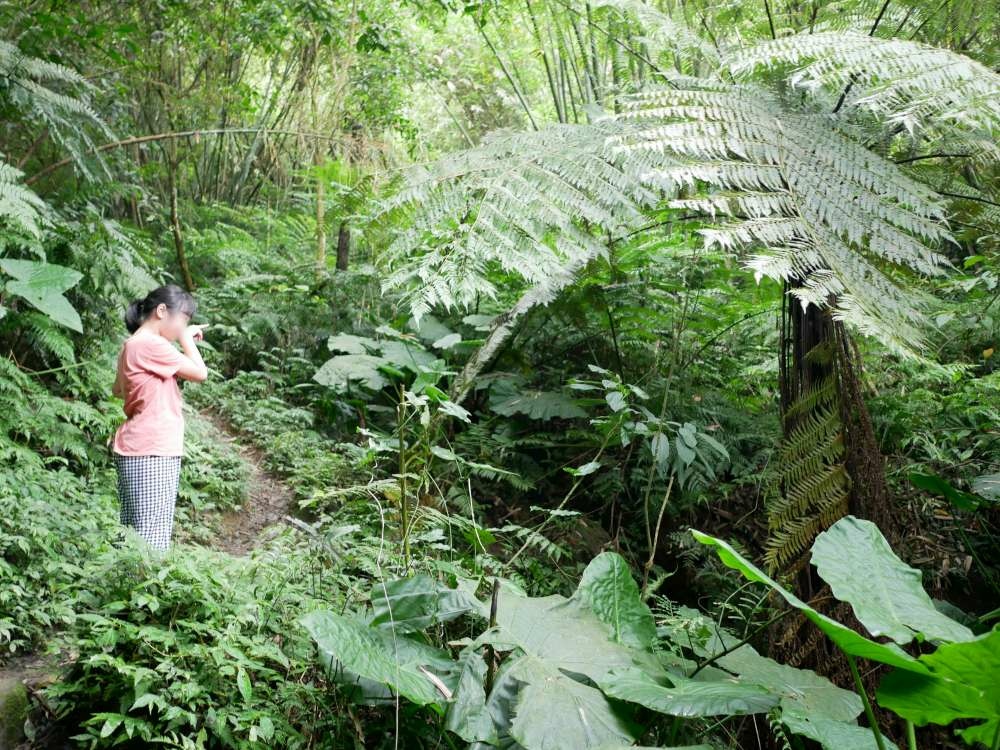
point(911, 736)
point(864, 700)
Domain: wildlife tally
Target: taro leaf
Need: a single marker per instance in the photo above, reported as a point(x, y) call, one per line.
point(688, 698)
point(415, 603)
point(608, 589)
point(429, 328)
point(350, 344)
point(555, 712)
point(410, 356)
point(844, 637)
point(541, 405)
point(939, 486)
point(801, 691)
point(987, 485)
point(888, 598)
point(500, 706)
point(340, 370)
point(43, 284)
point(834, 735)
point(561, 633)
point(447, 342)
point(963, 684)
point(380, 655)
point(467, 714)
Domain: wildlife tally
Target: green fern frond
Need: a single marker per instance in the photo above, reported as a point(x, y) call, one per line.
point(18, 204)
point(48, 336)
point(900, 80)
point(812, 480)
point(814, 205)
point(34, 87)
point(534, 205)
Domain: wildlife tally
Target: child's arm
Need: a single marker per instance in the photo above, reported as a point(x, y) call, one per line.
point(118, 389)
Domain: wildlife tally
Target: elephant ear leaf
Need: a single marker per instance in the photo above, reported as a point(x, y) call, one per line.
point(416, 671)
point(889, 599)
point(610, 592)
point(962, 685)
point(43, 284)
point(848, 640)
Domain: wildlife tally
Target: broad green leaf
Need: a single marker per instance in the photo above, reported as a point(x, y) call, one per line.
point(415, 603)
point(962, 683)
point(467, 714)
point(350, 344)
point(560, 632)
point(429, 328)
point(379, 655)
point(540, 405)
point(689, 698)
point(243, 683)
point(554, 712)
point(987, 485)
point(844, 637)
point(403, 354)
point(939, 486)
point(608, 589)
point(801, 691)
point(43, 284)
point(888, 598)
point(834, 735)
point(339, 371)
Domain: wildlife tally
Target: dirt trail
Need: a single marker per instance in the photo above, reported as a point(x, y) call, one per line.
point(268, 497)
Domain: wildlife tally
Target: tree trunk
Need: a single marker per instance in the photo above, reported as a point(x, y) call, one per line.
point(175, 225)
point(343, 246)
point(320, 226)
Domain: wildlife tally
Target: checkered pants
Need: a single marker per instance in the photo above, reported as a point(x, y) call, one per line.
point(147, 491)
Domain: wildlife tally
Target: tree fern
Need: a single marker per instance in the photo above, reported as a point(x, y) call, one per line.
point(534, 205)
point(817, 206)
point(898, 80)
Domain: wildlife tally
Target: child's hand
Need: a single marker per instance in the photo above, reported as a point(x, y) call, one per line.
point(194, 332)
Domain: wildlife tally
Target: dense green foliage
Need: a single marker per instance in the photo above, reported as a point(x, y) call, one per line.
point(583, 336)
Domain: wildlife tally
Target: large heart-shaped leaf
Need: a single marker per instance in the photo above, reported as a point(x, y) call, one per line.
point(835, 735)
point(554, 712)
point(338, 372)
point(415, 603)
point(406, 665)
point(963, 684)
point(848, 640)
point(686, 697)
point(608, 589)
point(888, 598)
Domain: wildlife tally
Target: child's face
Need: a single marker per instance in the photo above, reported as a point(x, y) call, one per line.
point(172, 322)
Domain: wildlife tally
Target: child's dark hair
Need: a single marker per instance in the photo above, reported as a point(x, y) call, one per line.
point(171, 295)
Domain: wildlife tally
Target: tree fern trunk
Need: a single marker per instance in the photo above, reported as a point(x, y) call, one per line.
point(343, 246)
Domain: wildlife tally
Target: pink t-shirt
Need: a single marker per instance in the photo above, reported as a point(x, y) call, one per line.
point(146, 379)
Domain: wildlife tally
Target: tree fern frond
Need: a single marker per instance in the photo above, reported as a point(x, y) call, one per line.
point(48, 336)
point(529, 204)
point(813, 204)
point(663, 33)
point(901, 80)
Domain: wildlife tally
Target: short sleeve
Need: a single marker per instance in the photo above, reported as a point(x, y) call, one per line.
point(159, 357)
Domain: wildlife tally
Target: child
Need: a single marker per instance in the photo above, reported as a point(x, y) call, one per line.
point(148, 446)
